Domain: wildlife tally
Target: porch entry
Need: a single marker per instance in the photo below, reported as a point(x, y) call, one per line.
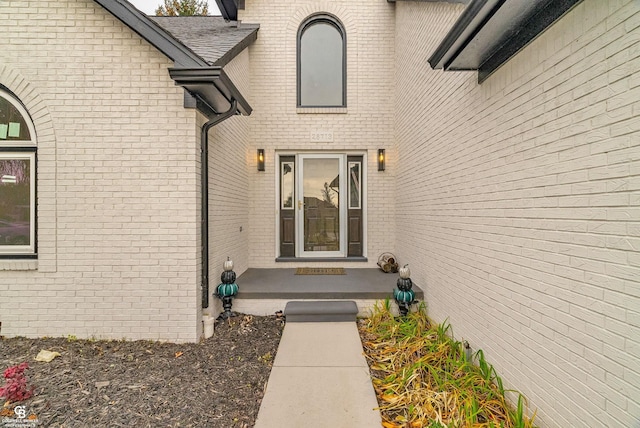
point(321, 204)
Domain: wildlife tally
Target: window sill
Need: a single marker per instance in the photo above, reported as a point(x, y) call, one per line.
point(321, 110)
point(320, 259)
point(18, 264)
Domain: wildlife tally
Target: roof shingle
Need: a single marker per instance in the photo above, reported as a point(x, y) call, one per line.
point(210, 37)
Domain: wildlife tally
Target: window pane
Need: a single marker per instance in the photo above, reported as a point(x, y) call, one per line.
point(321, 69)
point(321, 195)
point(287, 185)
point(12, 125)
point(354, 185)
point(15, 201)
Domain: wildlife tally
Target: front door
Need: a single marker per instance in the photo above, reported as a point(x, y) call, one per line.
point(320, 198)
point(320, 205)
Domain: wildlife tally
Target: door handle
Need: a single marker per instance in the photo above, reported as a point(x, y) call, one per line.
point(300, 205)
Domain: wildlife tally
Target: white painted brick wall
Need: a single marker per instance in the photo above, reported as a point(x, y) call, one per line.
point(276, 125)
point(518, 207)
point(117, 179)
point(229, 186)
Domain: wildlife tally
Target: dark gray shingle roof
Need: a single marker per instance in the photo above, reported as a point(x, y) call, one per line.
point(210, 37)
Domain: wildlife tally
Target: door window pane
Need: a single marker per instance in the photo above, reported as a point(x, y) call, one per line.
point(287, 184)
point(321, 189)
point(354, 185)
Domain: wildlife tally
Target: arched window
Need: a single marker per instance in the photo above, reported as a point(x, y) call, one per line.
point(322, 63)
point(17, 179)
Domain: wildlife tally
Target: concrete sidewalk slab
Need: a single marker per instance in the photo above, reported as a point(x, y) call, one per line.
point(320, 379)
point(320, 344)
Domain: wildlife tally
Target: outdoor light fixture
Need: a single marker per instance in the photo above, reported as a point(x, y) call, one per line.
point(260, 159)
point(381, 159)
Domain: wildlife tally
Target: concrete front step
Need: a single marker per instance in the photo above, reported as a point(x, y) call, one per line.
point(284, 284)
point(321, 311)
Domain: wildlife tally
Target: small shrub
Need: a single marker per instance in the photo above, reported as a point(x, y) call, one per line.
point(15, 388)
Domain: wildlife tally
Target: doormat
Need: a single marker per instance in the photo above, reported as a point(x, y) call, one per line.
point(320, 271)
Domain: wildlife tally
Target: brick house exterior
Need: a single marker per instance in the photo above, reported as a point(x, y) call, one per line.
point(117, 187)
point(524, 190)
point(516, 201)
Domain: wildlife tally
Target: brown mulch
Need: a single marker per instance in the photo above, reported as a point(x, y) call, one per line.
point(218, 382)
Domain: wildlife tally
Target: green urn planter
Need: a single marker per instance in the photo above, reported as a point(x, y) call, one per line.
point(403, 294)
point(228, 289)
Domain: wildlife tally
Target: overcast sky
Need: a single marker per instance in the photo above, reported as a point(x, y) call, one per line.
point(149, 6)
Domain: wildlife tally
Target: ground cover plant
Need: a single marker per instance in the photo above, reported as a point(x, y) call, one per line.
point(16, 388)
point(424, 378)
point(218, 382)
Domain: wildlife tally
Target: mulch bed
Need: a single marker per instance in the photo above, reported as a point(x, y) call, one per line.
point(218, 382)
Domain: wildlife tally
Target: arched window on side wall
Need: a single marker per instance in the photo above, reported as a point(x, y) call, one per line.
point(17, 179)
point(322, 62)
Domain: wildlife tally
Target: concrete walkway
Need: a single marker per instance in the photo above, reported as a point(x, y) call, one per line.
point(319, 379)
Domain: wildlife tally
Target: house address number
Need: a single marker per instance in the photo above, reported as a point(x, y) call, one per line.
point(322, 137)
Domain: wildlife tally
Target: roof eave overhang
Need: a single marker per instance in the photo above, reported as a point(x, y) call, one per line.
point(228, 9)
point(435, 1)
point(212, 88)
point(489, 32)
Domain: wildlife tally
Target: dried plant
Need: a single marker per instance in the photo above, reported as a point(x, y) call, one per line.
point(423, 378)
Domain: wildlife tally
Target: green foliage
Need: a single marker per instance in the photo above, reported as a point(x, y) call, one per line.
point(183, 8)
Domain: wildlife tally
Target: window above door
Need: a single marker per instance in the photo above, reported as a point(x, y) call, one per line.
point(321, 63)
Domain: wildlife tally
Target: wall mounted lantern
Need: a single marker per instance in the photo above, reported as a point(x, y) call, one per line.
point(381, 159)
point(260, 159)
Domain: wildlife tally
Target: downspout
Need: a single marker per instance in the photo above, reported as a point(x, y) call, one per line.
point(204, 192)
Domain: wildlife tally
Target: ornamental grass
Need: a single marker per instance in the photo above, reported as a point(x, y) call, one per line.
point(424, 378)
